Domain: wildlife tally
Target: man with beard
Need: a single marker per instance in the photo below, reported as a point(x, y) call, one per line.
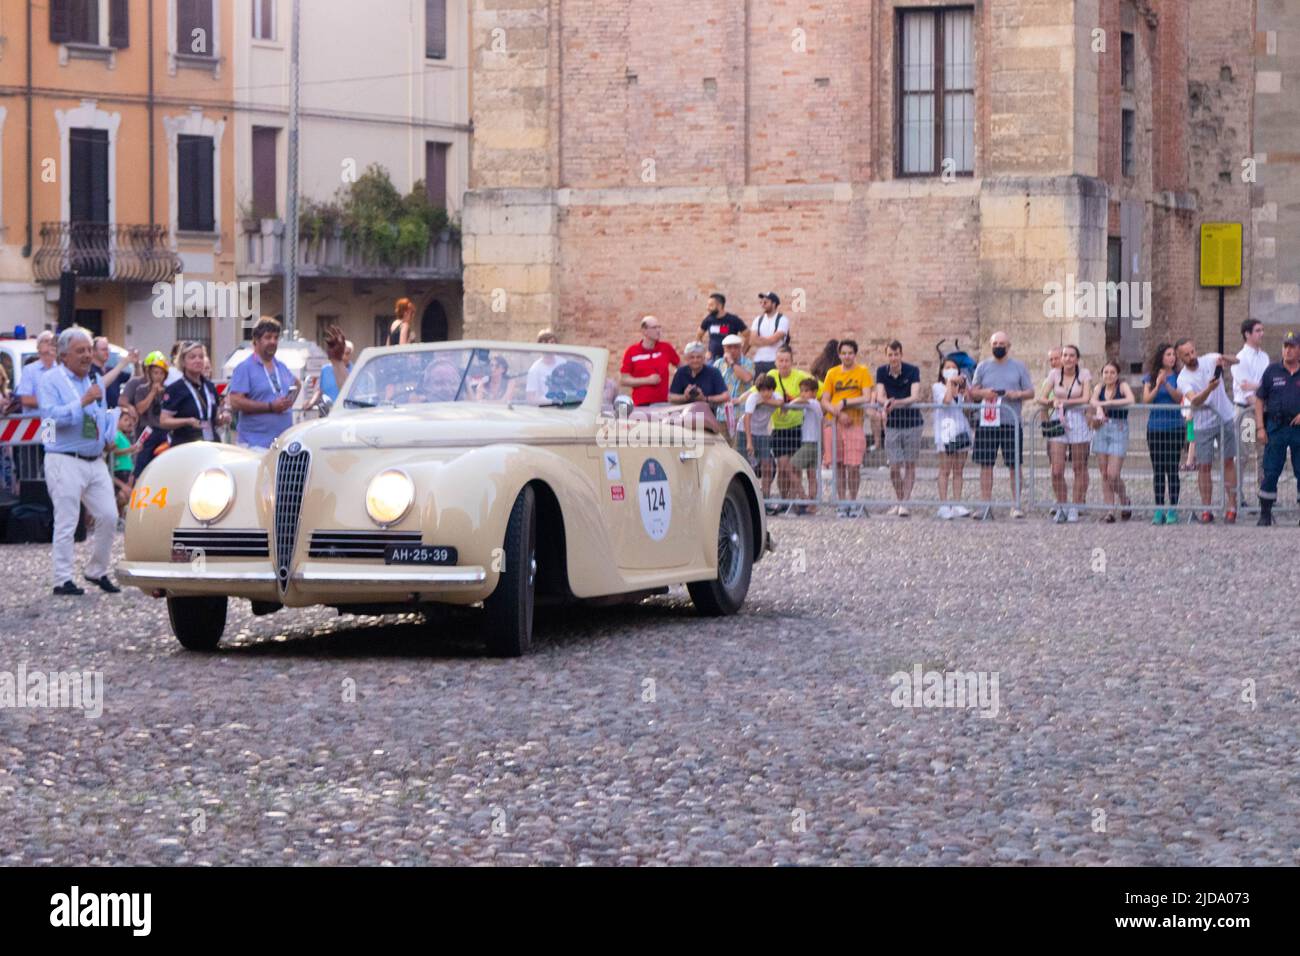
point(719, 324)
point(262, 389)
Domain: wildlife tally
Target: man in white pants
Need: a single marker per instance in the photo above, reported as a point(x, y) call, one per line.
point(72, 402)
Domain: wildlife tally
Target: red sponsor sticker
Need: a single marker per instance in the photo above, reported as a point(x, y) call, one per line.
point(616, 492)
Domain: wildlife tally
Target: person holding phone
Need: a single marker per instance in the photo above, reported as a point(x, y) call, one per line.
point(262, 389)
point(697, 381)
point(1214, 421)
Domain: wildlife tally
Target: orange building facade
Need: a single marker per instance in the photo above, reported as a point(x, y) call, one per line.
point(126, 182)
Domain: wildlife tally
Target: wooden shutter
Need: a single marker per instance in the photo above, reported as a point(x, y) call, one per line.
point(119, 24)
point(194, 184)
point(435, 29)
point(88, 185)
point(60, 21)
point(435, 173)
point(264, 169)
point(194, 15)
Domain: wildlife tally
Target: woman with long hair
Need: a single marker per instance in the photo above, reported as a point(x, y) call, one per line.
point(498, 386)
point(1110, 441)
point(827, 360)
point(1067, 431)
point(400, 331)
point(1166, 436)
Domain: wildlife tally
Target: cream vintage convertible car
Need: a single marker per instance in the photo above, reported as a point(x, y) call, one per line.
point(454, 473)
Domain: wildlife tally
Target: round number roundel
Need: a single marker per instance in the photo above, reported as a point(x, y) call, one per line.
point(655, 499)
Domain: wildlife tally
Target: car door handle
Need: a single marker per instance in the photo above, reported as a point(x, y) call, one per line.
point(691, 454)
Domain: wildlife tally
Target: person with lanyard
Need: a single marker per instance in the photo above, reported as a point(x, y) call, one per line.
point(190, 408)
point(262, 390)
point(1277, 423)
point(75, 471)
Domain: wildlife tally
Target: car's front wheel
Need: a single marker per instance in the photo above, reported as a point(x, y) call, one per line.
point(510, 607)
point(197, 622)
point(726, 593)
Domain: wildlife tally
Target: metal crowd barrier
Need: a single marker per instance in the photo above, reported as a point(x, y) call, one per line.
point(876, 489)
point(1030, 486)
point(1147, 449)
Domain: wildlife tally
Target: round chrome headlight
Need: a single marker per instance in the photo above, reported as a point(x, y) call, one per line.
point(211, 495)
point(389, 496)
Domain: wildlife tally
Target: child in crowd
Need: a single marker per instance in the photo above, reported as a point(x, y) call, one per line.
point(760, 404)
point(123, 458)
point(805, 460)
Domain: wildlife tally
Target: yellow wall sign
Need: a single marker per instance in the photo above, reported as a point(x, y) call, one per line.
point(1221, 254)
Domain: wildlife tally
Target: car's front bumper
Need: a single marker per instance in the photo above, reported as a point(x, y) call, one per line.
point(311, 582)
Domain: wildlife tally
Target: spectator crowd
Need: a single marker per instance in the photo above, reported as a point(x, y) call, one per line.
point(106, 421)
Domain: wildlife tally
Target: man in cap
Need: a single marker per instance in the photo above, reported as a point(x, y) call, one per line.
point(771, 330)
point(1277, 423)
point(737, 370)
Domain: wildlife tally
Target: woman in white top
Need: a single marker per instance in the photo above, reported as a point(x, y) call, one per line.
point(952, 437)
point(1110, 443)
point(1066, 394)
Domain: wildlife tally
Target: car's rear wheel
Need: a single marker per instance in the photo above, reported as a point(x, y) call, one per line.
point(726, 593)
point(197, 622)
point(510, 607)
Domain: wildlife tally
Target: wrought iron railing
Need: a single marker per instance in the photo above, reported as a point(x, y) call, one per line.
point(263, 252)
point(123, 253)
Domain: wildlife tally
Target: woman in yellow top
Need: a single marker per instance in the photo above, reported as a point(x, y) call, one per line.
point(844, 393)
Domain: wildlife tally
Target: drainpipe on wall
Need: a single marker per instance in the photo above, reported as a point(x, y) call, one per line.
point(152, 217)
point(27, 249)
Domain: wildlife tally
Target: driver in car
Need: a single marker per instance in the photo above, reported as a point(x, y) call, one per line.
point(440, 384)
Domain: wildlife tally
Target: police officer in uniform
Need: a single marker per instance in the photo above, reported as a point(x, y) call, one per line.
point(1278, 408)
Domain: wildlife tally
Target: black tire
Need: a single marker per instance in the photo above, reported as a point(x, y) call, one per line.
point(725, 594)
point(197, 622)
point(510, 607)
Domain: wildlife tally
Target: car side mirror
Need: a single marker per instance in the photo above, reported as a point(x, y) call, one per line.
point(325, 404)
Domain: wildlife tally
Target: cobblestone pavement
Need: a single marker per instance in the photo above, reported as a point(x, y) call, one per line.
point(1125, 731)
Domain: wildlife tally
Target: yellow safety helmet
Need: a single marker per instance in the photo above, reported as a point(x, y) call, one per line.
point(156, 358)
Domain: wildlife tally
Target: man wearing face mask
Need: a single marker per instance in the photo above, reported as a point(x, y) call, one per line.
point(1001, 383)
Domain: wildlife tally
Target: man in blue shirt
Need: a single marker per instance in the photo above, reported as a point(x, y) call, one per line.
point(32, 371)
point(697, 382)
point(262, 389)
point(78, 427)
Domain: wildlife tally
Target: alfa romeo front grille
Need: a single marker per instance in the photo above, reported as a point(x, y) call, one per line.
point(221, 544)
point(290, 481)
point(357, 544)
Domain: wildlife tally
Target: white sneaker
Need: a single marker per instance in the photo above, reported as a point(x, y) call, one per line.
point(961, 512)
point(903, 512)
point(1017, 513)
point(892, 511)
point(1072, 516)
point(1058, 515)
point(945, 513)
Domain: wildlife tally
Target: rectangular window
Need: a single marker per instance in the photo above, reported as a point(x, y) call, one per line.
point(194, 184)
point(1127, 53)
point(194, 28)
point(263, 19)
point(195, 328)
point(435, 29)
point(88, 175)
point(936, 83)
point(435, 173)
point(1127, 142)
point(83, 21)
point(265, 205)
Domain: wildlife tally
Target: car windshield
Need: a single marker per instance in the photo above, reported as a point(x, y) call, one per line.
point(496, 376)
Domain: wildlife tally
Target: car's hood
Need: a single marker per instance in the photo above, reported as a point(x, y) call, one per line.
point(450, 424)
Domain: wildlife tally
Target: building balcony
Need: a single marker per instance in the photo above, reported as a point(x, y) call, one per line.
point(263, 247)
point(110, 252)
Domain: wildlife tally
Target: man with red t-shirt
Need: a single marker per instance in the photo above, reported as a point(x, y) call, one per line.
point(648, 364)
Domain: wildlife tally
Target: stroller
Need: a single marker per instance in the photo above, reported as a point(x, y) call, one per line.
point(962, 358)
point(965, 363)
